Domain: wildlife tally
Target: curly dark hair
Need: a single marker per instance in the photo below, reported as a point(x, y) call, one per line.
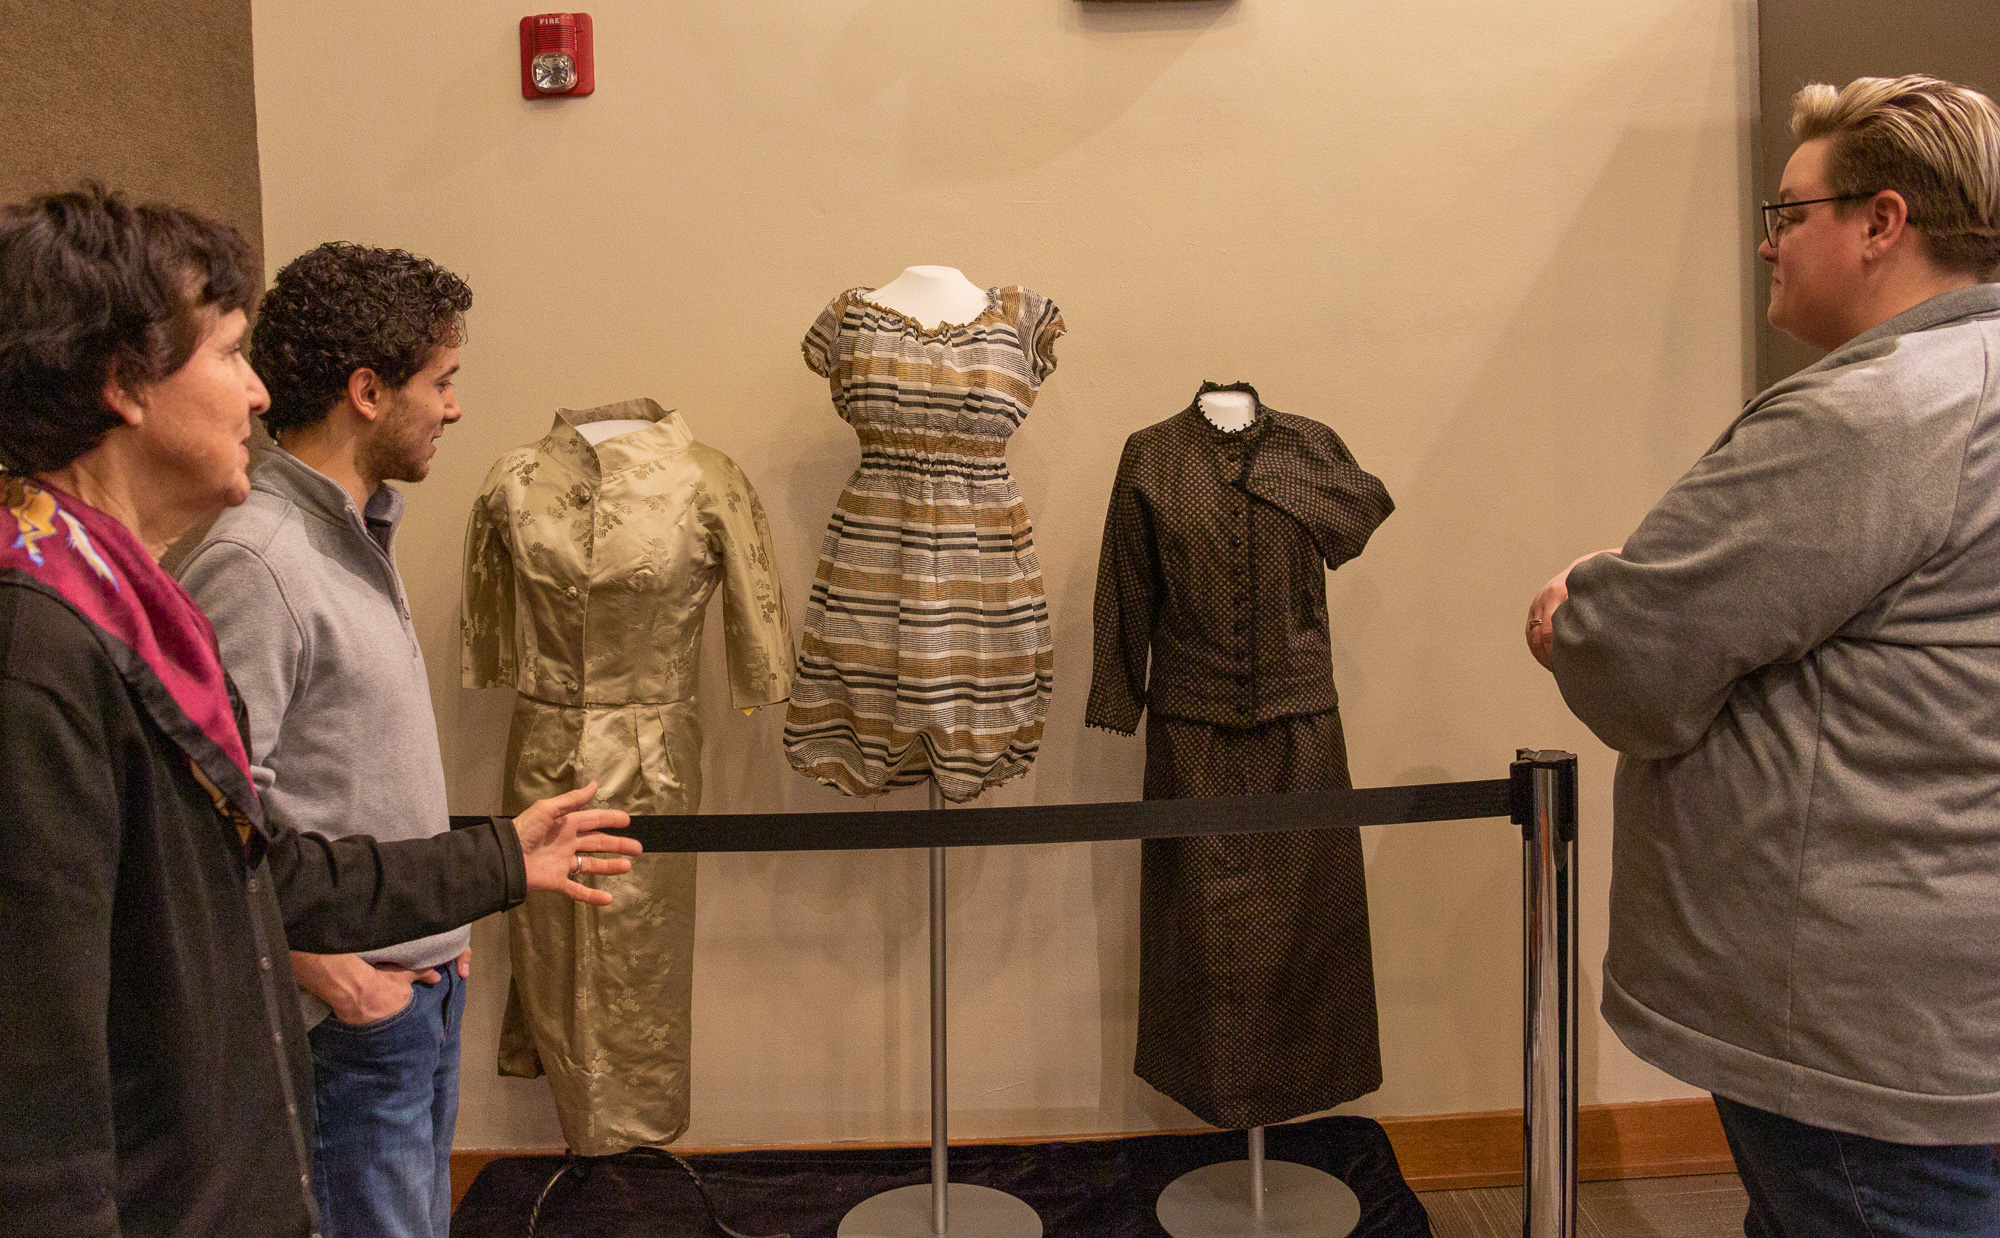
point(93, 289)
point(346, 307)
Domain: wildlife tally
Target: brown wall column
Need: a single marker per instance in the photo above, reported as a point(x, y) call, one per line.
point(153, 97)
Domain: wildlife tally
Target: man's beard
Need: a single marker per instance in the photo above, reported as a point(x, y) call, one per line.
point(394, 454)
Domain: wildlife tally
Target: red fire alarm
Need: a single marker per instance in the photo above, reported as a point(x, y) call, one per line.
point(555, 56)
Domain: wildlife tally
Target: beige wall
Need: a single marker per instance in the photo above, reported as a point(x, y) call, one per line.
point(1501, 248)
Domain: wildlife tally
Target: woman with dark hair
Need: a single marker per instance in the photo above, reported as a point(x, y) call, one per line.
point(155, 1076)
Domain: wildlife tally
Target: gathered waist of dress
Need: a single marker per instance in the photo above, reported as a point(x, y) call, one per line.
point(937, 468)
point(932, 445)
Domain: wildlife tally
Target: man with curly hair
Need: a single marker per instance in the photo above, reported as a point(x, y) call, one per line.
point(358, 348)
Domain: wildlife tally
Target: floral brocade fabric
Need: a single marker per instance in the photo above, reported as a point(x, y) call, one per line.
point(588, 572)
point(927, 651)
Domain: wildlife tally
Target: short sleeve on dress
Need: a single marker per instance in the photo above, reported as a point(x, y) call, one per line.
point(1041, 325)
point(819, 342)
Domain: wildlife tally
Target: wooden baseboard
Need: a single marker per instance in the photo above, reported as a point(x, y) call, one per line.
point(1646, 1139)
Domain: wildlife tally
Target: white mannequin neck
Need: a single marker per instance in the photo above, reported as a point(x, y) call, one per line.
point(932, 295)
point(595, 432)
point(1229, 411)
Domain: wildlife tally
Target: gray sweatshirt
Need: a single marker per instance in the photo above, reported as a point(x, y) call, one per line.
point(1798, 654)
point(316, 633)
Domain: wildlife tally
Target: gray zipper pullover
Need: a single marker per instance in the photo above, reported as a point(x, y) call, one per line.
point(1798, 654)
point(316, 633)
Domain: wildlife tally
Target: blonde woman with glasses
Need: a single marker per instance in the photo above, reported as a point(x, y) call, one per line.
point(1798, 653)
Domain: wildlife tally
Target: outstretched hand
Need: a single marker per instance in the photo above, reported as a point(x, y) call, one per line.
point(556, 831)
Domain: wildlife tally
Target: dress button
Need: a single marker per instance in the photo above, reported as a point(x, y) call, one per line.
point(1235, 543)
point(253, 885)
point(571, 592)
point(264, 963)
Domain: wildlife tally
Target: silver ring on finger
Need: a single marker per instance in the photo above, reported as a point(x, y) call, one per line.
point(576, 866)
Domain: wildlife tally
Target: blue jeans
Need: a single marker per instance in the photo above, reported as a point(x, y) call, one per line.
point(387, 1100)
point(1809, 1182)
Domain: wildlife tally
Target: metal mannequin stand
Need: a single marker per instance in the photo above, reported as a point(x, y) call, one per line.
point(944, 1207)
point(1278, 1199)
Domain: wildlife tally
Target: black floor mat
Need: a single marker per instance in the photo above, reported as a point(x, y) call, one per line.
point(1102, 1188)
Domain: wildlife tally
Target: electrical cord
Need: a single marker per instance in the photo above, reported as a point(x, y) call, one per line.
point(571, 1161)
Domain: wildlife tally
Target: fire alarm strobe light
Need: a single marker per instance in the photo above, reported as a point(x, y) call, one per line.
point(556, 58)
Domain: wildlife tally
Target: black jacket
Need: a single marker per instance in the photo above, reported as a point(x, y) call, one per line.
point(1216, 547)
point(156, 1076)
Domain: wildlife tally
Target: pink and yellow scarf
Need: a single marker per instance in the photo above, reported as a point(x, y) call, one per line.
point(162, 644)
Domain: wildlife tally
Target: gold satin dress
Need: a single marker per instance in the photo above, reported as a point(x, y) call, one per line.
point(588, 573)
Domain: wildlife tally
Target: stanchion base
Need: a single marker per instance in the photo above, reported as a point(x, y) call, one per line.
point(971, 1212)
point(1299, 1202)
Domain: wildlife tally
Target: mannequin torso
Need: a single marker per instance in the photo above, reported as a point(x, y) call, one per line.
point(932, 295)
point(1229, 411)
point(596, 432)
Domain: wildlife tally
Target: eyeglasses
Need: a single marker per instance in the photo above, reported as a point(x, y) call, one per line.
point(1775, 223)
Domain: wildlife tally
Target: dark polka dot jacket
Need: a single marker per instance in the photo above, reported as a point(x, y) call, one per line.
point(1215, 550)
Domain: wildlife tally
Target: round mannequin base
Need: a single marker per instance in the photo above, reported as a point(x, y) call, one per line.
point(970, 1212)
point(1299, 1202)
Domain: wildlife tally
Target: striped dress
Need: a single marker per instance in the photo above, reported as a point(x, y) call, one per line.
point(927, 650)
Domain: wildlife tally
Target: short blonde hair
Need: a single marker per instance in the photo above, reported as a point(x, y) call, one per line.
point(1935, 143)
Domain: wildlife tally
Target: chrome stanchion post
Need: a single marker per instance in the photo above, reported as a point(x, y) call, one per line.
point(1545, 806)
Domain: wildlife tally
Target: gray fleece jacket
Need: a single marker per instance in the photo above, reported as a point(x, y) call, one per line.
point(1798, 654)
point(316, 633)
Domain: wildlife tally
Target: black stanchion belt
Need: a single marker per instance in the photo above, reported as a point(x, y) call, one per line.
point(1071, 823)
